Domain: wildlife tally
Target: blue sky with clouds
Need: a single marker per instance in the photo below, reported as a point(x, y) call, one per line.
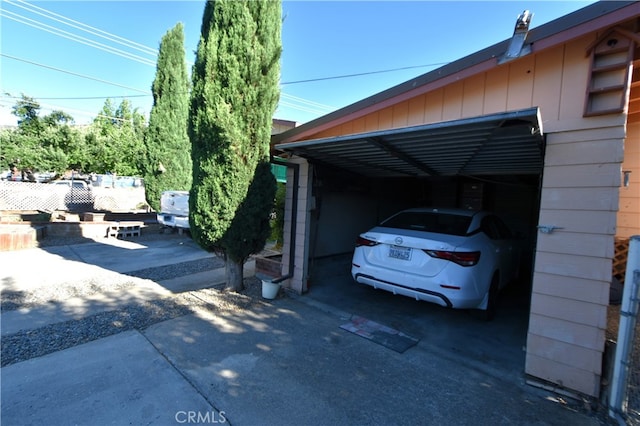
point(72, 55)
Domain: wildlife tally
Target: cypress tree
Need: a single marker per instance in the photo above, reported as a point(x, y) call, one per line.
point(167, 159)
point(235, 92)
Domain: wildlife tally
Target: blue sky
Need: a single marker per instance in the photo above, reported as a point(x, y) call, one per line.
point(62, 53)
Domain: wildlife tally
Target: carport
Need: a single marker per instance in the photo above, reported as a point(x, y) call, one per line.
point(469, 134)
point(493, 162)
point(509, 143)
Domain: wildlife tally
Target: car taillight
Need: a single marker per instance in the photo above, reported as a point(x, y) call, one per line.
point(468, 258)
point(360, 241)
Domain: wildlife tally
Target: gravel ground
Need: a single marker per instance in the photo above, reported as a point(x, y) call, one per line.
point(29, 344)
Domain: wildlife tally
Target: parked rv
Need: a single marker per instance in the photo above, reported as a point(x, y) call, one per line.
point(174, 209)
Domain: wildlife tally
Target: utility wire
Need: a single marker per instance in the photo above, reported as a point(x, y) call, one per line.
point(83, 40)
point(335, 77)
point(305, 101)
point(309, 106)
point(301, 108)
point(82, 98)
point(72, 73)
point(81, 26)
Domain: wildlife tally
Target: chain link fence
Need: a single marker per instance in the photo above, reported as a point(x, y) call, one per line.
point(625, 389)
point(633, 385)
point(72, 196)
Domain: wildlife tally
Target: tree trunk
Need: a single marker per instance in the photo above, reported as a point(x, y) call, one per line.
point(234, 275)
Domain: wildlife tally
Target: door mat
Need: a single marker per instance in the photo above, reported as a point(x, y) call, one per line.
point(380, 334)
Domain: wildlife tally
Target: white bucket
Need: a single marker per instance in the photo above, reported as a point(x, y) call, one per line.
point(269, 289)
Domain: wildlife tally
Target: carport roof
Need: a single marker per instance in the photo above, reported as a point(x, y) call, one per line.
point(496, 144)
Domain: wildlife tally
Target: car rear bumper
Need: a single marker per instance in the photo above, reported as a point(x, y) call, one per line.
point(418, 294)
point(173, 221)
point(449, 298)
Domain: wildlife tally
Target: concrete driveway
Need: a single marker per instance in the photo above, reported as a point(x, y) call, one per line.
point(280, 362)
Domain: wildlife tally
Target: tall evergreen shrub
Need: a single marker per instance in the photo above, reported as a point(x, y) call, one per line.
point(235, 93)
point(167, 159)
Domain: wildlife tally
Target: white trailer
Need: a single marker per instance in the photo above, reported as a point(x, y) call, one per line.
point(174, 209)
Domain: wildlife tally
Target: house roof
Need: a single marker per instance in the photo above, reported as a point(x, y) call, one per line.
point(597, 16)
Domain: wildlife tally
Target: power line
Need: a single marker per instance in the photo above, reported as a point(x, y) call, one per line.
point(362, 73)
point(72, 73)
point(84, 98)
point(301, 108)
point(308, 102)
point(307, 105)
point(79, 39)
point(92, 30)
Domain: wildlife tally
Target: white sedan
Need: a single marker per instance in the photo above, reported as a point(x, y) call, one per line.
point(452, 257)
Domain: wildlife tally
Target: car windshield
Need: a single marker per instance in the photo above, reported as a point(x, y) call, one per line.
point(440, 223)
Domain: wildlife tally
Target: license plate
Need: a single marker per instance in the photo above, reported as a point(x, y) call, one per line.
point(402, 253)
point(168, 218)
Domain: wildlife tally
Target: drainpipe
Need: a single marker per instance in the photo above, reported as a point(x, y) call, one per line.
point(294, 217)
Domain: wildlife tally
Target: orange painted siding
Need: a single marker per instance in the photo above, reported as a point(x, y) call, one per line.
point(629, 213)
point(416, 111)
point(385, 119)
point(433, 108)
point(520, 84)
point(400, 115)
point(473, 96)
point(534, 80)
point(548, 82)
point(495, 98)
point(575, 75)
point(453, 100)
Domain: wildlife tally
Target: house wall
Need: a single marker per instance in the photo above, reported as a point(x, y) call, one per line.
point(572, 269)
point(303, 206)
point(580, 195)
point(629, 213)
point(279, 126)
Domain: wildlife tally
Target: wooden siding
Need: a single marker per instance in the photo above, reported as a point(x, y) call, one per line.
point(572, 269)
point(534, 80)
point(629, 213)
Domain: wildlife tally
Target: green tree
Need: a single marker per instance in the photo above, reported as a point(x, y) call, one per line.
point(28, 112)
point(115, 141)
point(48, 143)
point(234, 95)
point(167, 159)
